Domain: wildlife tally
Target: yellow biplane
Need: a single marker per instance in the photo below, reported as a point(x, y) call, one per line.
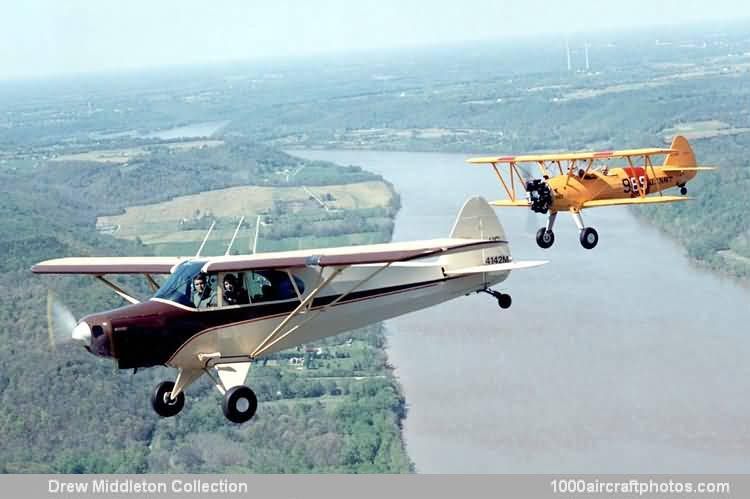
point(574, 181)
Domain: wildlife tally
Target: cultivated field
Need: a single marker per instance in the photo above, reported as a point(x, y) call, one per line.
point(177, 226)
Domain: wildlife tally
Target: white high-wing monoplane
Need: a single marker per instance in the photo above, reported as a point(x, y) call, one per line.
point(215, 315)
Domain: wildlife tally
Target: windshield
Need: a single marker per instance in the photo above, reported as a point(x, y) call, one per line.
point(178, 286)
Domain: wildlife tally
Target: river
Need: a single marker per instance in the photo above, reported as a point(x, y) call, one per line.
point(621, 359)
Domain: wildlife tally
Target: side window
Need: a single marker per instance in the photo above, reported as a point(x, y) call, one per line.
point(271, 285)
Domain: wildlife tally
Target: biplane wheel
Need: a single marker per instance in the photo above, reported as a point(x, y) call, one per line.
point(240, 404)
point(163, 403)
point(589, 238)
point(545, 238)
point(683, 190)
point(504, 300)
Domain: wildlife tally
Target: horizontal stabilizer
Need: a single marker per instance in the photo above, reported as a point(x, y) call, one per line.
point(510, 203)
point(498, 267)
point(639, 200)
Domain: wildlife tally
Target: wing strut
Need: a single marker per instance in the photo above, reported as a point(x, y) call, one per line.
point(117, 289)
point(265, 345)
point(302, 305)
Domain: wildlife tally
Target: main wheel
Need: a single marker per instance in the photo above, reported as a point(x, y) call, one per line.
point(504, 300)
point(163, 403)
point(683, 190)
point(240, 404)
point(545, 238)
point(589, 238)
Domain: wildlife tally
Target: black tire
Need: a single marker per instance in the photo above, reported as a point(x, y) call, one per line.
point(240, 404)
point(589, 238)
point(545, 238)
point(683, 190)
point(162, 402)
point(504, 301)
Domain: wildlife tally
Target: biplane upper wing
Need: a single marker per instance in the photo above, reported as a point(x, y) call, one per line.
point(516, 203)
point(349, 255)
point(639, 200)
point(98, 265)
point(572, 156)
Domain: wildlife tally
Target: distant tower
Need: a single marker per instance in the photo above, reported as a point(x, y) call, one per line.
point(586, 46)
point(567, 53)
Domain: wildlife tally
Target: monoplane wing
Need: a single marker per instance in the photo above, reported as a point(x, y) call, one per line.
point(348, 255)
point(98, 265)
point(639, 200)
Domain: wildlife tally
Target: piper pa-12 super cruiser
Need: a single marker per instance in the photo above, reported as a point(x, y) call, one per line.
point(216, 315)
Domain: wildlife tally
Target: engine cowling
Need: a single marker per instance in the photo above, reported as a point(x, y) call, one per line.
point(540, 195)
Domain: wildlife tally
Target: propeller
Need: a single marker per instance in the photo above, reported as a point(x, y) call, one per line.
point(62, 325)
point(532, 221)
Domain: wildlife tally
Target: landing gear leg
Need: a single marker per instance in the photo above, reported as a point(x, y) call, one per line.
point(589, 237)
point(503, 300)
point(683, 189)
point(240, 402)
point(545, 238)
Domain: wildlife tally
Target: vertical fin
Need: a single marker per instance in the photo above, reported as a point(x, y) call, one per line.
point(684, 155)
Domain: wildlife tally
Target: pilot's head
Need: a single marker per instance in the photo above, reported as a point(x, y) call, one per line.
point(199, 284)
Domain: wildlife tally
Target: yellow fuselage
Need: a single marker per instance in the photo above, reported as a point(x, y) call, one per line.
point(570, 192)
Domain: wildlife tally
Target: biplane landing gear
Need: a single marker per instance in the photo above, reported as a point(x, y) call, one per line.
point(240, 404)
point(503, 300)
point(545, 238)
point(589, 237)
point(163, 403)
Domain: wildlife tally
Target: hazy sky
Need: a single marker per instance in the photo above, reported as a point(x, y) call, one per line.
point(40, 37)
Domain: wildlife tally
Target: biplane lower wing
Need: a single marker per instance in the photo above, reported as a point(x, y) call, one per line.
point(645, 200)
point(687, 168)
point(510, 203)
point(498, 267)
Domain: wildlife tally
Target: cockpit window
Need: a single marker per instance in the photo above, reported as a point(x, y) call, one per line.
point(179, 286)
point(272, 285)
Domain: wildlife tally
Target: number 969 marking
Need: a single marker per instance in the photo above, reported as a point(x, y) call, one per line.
point(634, 185)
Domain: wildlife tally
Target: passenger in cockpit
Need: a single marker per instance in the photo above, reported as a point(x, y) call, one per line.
point(234, 294)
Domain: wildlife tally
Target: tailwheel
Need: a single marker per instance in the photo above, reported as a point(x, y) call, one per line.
point(589, 238)
point(163, 403)
point(504, 300)
point(240, 404)
point(683, 190)
point(545, 238)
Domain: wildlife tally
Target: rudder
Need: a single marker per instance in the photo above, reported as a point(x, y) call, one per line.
point(477, 220)
point(684, 155)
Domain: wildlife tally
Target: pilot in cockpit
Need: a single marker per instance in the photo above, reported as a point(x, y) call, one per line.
point(203, 296)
